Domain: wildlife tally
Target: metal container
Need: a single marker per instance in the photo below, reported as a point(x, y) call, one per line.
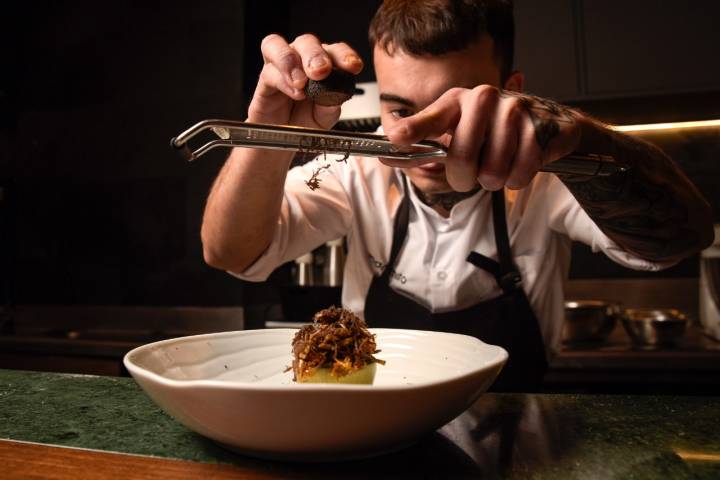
point(589, 320)
point(654, 328)
point(710, 287)
point(336, 262)
point(305, 275)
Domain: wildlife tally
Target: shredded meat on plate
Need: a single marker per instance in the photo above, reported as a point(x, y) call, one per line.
point(337, 339)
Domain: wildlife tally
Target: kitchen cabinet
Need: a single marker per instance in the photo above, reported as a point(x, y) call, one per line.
point(647, 47)
point(570, 50)
point(545, 48)
point(574, 50)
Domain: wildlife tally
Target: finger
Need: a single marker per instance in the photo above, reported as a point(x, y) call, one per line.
point(315, 60)
point(271, 81)
point(501, 145)
point(409, 162)
point(344, 57)
point(462, 163)
point(433, 121)
point(325, 116)
point(276, 51)
point(309, 114)
point(528, 157)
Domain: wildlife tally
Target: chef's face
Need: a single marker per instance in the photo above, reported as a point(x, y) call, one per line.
point(410, 83)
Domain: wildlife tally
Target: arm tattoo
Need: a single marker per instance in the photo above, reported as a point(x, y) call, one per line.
point(645, 209)
point(546, 116)
point(651, 210)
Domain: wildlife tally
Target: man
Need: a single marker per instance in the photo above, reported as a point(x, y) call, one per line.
point(478, 243)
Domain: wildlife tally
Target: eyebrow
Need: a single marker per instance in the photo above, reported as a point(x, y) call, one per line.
point(389, 97)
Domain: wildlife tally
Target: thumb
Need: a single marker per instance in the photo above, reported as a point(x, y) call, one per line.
point(324, 116)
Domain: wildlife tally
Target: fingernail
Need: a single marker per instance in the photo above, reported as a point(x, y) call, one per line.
point(489, 183)
point(352, 59)
point(317, 62)
point(297, 76)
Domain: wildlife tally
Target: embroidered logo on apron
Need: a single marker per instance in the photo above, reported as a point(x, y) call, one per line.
point(380, 266)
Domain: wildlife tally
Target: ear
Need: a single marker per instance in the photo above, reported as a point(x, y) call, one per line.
point(515, 81)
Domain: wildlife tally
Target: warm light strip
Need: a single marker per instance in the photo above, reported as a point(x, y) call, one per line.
point(666, 126)
point(698, 456)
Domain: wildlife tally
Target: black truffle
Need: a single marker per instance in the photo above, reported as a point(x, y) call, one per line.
point(332, 90)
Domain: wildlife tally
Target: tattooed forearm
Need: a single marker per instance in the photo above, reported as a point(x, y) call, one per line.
point(652, 209)
point(642, 217)
point(545, 115)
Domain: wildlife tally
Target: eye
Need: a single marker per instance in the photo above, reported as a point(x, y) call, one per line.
point(401, 112)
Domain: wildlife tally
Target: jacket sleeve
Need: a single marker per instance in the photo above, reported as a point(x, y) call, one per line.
point(308, 218)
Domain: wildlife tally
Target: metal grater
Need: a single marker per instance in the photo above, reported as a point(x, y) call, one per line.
point(229, 133)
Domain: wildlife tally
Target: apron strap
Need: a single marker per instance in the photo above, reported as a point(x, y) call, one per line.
point(485, 263)
point(504, 270)
point(509, 275)
point(400, 227)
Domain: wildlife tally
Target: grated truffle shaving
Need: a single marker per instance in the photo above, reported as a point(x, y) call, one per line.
point(337, 339)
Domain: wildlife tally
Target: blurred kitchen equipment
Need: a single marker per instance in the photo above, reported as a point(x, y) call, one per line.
point(710, 287)
point(231, 133)
point(336, 262)
point(589, 320)
point(316, 283)
point(322, 266)
point(650, 328)
point(305, 267)
point(362, 112)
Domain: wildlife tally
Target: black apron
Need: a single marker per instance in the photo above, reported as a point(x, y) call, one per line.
point(507, 320)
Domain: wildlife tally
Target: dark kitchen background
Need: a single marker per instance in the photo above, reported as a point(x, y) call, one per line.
point(96, 209)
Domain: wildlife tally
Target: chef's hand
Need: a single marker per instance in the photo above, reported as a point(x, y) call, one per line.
point(495, 138)
point(279, 96)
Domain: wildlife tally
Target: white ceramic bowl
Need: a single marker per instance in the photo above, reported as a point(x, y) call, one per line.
point(233, 387)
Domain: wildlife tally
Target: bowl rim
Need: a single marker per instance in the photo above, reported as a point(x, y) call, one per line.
point(671, 315)
point(589, 303)
point(136, 370)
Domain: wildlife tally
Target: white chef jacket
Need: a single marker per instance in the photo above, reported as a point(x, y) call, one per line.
point(358, 199)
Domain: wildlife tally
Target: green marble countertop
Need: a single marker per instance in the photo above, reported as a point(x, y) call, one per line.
point(502, 436)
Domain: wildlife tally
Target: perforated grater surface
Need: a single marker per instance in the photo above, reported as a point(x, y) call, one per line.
point(228, 133)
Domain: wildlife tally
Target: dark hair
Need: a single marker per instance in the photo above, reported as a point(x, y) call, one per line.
point(435, 27)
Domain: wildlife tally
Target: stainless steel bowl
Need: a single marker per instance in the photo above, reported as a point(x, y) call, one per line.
point(653, 328)
point(589, 320)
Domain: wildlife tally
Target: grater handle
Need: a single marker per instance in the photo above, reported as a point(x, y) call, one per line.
point(226, 136)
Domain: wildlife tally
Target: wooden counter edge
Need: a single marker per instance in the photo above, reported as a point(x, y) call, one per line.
point(23, 460)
